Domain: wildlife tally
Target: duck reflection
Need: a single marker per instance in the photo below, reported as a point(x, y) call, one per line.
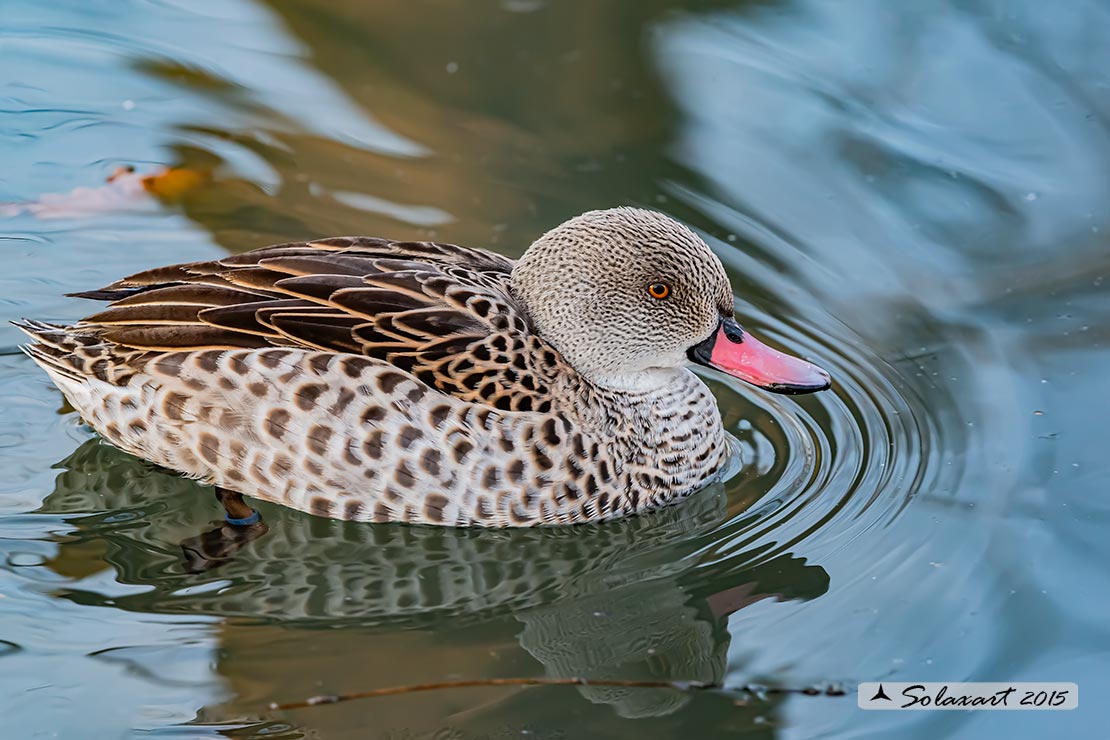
point(630, 599)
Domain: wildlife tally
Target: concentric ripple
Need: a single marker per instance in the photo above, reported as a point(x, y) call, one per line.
point(830, 466)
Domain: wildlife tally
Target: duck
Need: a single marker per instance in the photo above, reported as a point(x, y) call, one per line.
point(367, 379)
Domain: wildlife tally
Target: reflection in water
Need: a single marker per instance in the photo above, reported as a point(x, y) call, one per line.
point(629, 599)
point(497, 150)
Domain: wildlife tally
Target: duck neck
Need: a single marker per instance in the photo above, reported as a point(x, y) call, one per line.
point(668, 425)
point(643, 383)
point(648, 406)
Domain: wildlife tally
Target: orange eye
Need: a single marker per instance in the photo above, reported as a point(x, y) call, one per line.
point(659, 290)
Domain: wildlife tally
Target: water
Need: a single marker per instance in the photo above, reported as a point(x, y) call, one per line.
point(913, 195)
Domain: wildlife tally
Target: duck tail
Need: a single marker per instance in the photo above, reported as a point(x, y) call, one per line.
point(58, 349)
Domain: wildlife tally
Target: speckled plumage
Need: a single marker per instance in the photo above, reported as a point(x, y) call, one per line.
point(366, 379)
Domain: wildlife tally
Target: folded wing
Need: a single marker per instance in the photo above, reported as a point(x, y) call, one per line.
point(442, 312)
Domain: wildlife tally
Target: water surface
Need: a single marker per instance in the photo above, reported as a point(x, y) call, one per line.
point(914, 197)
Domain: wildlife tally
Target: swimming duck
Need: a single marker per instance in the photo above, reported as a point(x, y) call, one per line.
point(366, 379)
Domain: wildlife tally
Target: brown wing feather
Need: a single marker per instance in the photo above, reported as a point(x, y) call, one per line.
point(440, 311)
point(250, 318)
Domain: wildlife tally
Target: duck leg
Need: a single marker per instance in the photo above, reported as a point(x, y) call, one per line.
point(241, 525)
point(239, 514)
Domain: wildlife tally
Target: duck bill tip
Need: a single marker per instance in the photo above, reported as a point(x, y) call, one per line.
point(736, 352)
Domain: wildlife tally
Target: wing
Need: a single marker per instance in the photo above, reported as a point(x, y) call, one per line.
point(442, 312)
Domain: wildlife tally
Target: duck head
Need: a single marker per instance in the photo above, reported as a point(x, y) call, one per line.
point(629, 295)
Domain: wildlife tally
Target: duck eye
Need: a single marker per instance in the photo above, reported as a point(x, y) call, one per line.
point(659, 290)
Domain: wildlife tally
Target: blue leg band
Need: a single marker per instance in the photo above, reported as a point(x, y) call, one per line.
point(246, 521)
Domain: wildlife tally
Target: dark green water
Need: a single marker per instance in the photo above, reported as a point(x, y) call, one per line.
point(913, 194)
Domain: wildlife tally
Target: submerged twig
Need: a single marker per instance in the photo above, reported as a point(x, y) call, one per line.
point(481, 682)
